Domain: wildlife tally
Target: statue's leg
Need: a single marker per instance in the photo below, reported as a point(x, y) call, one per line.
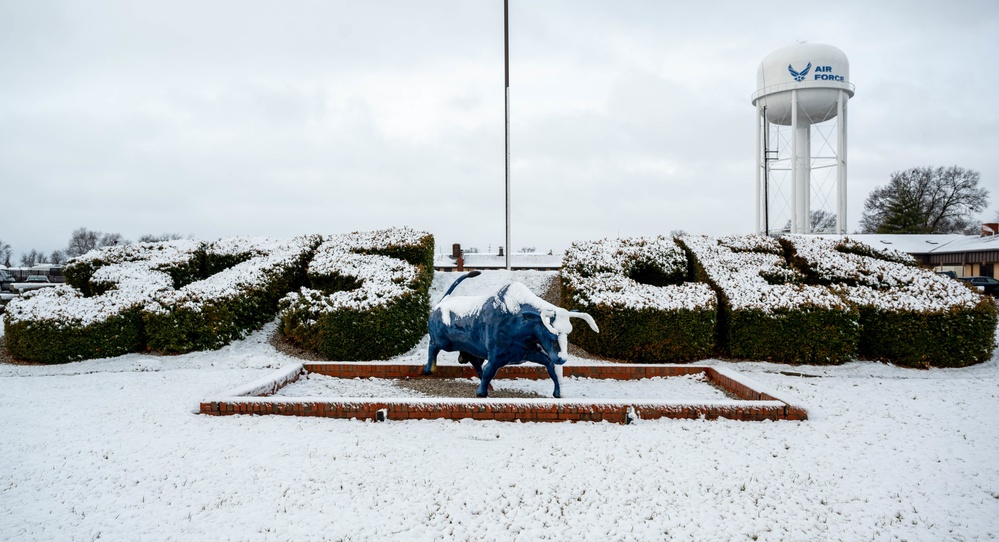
point(432, 352)
point(475, 361)
point(554, 376)
point(477, 365)
point(487, 376)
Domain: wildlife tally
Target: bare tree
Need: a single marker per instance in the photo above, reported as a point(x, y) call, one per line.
point(33, 258)
point(57, 257)
point(4, 253)
point(109, 239)
point(82, 241)
point(821, 221)
point(926, 200)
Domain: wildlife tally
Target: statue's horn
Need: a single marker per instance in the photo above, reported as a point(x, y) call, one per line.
point(586, 318)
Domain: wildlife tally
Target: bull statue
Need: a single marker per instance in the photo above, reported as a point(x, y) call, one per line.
point(493, 331)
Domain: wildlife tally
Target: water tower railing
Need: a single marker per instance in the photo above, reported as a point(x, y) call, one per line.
point(781, 87)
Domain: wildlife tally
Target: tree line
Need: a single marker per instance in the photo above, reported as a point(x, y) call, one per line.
point(81, 241)
point(926, 200)
point(919, 200)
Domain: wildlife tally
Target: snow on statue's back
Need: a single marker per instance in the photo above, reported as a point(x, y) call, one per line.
point(508, 328)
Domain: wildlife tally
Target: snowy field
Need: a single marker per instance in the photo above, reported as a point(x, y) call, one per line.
point(112, 449)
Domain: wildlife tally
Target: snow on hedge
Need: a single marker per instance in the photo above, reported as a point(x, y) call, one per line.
point(885, 284)
point(751, 243)
point(742, 277)
point(909, 316)
point(247, 277)
point(367, 298)
point(764, 310)
point(122, 298)
point(621, 292)
point(66, 307)
point(268, 259)
point(156, 255)
point(379, 239)
point(98, 313)
point(128, 276)
point(381, 279)
point(604, 272)
point(890, 254)
point(636, 291)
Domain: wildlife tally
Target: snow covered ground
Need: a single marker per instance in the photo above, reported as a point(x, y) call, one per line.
point(112, 449)
point(689, 388)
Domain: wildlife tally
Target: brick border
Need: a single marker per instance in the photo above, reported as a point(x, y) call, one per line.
point(754, 404)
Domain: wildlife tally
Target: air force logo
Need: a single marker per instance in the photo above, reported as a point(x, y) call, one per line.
point(799, 76)
point(822, 73)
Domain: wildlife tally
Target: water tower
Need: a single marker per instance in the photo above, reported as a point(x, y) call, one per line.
point(803, 90)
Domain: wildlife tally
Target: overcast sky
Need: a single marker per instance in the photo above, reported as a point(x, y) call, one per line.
point(627, 118)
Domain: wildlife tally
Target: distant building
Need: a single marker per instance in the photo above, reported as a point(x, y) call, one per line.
point(965, 255)
point(459, 260)
point(52, 271)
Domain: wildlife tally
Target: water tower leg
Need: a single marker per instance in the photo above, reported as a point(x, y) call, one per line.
point(841, 163)
point(760, 162)
point(803, 135)
point(794, 162)
point(800, 168)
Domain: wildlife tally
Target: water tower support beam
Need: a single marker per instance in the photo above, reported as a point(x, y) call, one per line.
point(760, 163)
point(803, 135)
point(841, 163)
point(794, 161)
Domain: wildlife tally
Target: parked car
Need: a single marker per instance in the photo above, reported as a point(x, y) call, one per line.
point(6, 279)
point(950, 274)
point(5, 298)
point(987, 285)
point(33, 282)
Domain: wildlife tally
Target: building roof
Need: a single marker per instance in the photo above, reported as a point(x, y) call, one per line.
point(518, 260)
point(933, 248)
point(912, 244)
point(942, 249)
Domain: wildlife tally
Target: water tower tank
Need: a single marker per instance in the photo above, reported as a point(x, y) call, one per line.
point(816, 70)
point(800, 86)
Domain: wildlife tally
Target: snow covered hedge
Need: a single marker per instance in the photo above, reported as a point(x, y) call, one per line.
point(182, 260)
point(181, 296)
point(909, 316)
point(367, 297)
point(245, 279)
point(98, 313)
point(361, 296)
point(764, 312)
point(635, 289)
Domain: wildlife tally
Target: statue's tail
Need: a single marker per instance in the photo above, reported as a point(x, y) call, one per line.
point(457, 282)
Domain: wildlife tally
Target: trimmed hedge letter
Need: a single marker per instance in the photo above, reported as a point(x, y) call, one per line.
point(636, 290)
point(909, 316)
point(367, 296)
point(765, 312)
point(98, 313)
point(246, 278)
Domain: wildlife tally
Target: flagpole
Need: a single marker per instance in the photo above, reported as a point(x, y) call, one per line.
point(506, 91)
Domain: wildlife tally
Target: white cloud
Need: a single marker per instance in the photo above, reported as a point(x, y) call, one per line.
point(626, 118)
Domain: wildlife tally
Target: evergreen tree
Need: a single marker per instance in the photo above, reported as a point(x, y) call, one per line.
point(926, 200)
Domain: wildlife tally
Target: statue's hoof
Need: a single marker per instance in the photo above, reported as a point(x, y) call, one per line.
point(481, 394)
